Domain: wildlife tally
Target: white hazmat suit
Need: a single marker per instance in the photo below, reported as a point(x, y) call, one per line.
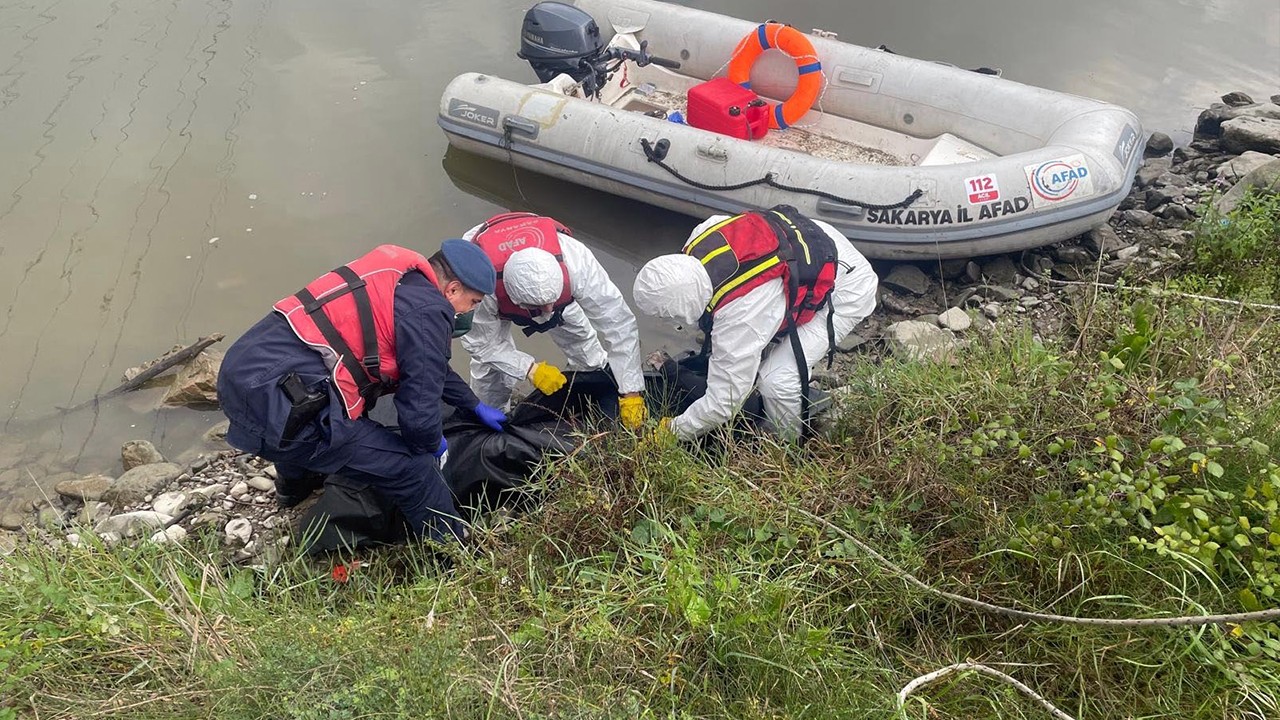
point(598, 326)
point(678, 287)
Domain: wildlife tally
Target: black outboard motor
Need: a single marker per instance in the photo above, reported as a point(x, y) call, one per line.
point(555, 38)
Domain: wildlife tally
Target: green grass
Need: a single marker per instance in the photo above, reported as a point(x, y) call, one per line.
point(1092, 475)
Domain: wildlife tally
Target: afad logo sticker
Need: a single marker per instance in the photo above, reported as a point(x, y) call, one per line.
point(1058, 180)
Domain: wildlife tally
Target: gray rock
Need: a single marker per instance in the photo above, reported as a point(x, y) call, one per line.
point(51, 518)
point(1210, 122)
point(1243, 164)
point(239, 531)
point(952, 269)
point(1141, 218)
point(11, 521)
point(1275, 99)
point(1150, 170)
point(217, 433)
point(1127, 253)
point(92, 512)
point(132, 523)
point(196, 384)
point(89, 487)
point(991, 311)
point(261, 484)
point(1103, 239)
point(139, 452)
point(133, 486)
point(1251, 133)
point(998, 292)
point(240, 489)
point(1265, 179)
point(201, 462)
point(209, 491)
point(1237, 99)
point(972, 272)
point(955, 320)
point(931, 318)
point(1072, 255)
point(1029, 302)
point(907, 278)
point(1185, 154)
point(270, 471)
point(174, 534)
point(1000, 270)
point(1030, 284)
point(1161, 196)
point(1171, 179)
point(1173, 211)
point(1158, 144)
point(209, 517)
point(171, 503)
point(919, 341)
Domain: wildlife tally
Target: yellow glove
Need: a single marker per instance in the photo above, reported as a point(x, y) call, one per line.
point(546, 378)
point(632, 411)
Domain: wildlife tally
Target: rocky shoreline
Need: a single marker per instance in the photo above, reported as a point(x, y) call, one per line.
point(925, 311)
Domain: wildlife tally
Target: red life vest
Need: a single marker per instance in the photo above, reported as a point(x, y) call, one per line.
point(746, 251)
point(353, 307)
point(501, 236)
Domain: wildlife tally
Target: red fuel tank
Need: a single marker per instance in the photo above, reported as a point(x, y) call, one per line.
point(723, 106)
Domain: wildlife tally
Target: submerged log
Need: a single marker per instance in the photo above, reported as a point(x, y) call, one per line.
point(156, 368)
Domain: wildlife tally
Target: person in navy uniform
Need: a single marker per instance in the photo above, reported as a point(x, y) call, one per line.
point(298, 386)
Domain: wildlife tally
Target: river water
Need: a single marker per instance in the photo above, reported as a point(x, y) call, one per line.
point(169, 168)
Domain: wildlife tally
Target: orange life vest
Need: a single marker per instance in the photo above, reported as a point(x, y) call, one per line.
point(501, 236)
point(351, 307)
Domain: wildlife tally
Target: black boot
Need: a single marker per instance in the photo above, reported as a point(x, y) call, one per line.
point(292, 490)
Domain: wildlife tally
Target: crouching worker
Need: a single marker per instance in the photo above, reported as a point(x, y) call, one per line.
point(773, 292)
point(297, 387)
point(548, 282)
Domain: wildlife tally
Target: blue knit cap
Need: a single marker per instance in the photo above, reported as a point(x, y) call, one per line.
point(470, 265)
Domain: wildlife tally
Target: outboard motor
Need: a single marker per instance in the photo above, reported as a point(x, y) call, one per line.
point(556, 38)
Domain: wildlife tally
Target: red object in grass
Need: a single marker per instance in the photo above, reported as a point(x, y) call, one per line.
point(342, 571)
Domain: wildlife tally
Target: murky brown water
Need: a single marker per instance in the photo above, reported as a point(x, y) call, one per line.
point(299, 133)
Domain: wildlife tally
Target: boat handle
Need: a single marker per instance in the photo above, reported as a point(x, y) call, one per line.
point(713, 151)
point(514, 124)
point(834, 208)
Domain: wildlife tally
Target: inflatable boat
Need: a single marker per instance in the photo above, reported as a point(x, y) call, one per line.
point(703, 113)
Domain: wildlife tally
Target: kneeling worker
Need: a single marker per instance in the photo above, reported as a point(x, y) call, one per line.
point(297, 386)
point(549, 282)
point(767, 289)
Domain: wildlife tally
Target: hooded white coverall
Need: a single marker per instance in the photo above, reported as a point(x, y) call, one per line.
point(743, 328)
point(598, 314)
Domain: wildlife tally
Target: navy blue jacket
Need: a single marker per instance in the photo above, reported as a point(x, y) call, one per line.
point(258, 408)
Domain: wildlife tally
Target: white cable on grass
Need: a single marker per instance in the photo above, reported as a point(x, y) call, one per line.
point(1186, 620)
point(936, 675)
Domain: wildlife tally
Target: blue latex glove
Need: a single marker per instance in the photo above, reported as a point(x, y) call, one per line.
point(491, 416)
point(444, 448)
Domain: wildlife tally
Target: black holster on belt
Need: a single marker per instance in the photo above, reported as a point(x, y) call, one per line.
point(305, 405)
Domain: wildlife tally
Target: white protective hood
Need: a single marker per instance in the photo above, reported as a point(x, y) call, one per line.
point(532, 277)
point(673, 286)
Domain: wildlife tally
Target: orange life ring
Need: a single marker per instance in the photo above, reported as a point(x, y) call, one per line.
point(792, 42)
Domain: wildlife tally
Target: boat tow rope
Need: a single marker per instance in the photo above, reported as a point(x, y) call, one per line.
point(657, 152)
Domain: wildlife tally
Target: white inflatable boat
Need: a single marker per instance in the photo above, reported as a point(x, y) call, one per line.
point(911, 159)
